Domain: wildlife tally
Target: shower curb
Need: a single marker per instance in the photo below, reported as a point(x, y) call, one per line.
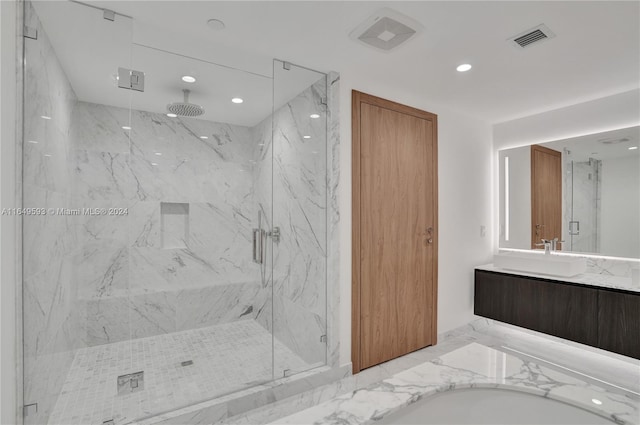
point(227, 406)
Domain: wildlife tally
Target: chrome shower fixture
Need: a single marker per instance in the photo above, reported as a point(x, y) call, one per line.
point(185, 109)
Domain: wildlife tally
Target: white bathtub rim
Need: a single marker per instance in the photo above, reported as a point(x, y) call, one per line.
point(445, 388)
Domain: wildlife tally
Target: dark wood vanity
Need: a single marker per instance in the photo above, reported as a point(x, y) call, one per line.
point(601, 317)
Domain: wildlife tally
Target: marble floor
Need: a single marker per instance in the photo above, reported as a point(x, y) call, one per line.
point(615, 373)
point(225, 358)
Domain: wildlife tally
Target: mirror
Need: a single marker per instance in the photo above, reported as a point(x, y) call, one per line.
point(584, 190)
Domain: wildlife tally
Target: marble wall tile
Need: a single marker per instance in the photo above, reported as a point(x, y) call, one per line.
point(47, 239)
point(144, 224)
point(101, 268)
point(98, 128)
point(103, 176)
point(196, 308)
point(107, 320)
point(124, 317)
point(300, 330)
point(152, 314)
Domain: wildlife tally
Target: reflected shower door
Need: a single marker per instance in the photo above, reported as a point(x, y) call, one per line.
point(300, 211)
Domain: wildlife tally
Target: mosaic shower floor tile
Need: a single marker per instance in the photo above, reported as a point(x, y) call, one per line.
point(225, 358)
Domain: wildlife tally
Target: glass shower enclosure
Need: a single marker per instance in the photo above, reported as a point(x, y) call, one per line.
point(177, 246)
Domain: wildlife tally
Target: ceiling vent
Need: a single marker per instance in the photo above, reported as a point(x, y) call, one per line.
point(532, 36)
point(386, 30)
point(613, 141)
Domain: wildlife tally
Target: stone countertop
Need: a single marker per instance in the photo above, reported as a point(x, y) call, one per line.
point(472, 366)
point(588, 279)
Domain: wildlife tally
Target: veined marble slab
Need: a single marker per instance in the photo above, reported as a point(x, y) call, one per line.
point(472, 366)
point(588, 279)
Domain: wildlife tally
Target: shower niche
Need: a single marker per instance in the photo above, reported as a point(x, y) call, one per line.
point(164, 280)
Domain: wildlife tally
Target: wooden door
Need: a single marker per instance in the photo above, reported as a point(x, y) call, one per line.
point(394, 230)
point(546, 195)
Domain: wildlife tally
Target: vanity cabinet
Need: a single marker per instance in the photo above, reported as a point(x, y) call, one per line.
point(600, 317)
point(619, 322)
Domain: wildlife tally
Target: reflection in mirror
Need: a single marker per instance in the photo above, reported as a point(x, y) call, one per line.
point(598, 176)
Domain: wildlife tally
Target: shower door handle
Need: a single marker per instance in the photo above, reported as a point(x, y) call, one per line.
point(257, 246)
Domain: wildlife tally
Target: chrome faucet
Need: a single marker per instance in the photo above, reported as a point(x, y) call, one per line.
point(550, 245)
point(547, 246)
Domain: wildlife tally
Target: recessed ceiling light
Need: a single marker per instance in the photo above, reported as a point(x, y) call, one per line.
point(126, 127)
point(204, 137)
point(170, 115)
point(631, 148)
point(216, 24)
point(47, 155)
point(33, 141)
point(306, 137)
point(314, 116)
point(237, 100)
point(154, 163)
point(463, 68)
point(188, 79)
point(44, 117)
point(159, 153)
point(596, 401)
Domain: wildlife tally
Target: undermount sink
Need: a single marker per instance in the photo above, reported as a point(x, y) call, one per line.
point(534, 262)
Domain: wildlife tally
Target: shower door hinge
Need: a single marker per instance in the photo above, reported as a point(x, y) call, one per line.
point(323, 101)
point(323, 338)
point(29, 409)
point(286, 372)
point(286, 65)
point(130, 79)
point(275, 234)
point(30, 32)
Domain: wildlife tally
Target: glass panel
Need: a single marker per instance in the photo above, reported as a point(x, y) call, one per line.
point(75, 263)
point(582, 201)
point(199, 302)
point(299, 211)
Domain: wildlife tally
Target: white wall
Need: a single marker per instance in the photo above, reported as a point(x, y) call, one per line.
point(620, 207)
point(465, 168)
point(8, 381)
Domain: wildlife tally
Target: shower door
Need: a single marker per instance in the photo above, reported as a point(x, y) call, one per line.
point(300, 212)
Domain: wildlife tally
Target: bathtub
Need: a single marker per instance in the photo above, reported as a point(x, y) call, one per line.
point(491, 406)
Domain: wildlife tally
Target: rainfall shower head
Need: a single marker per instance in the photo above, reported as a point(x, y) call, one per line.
point(185, 109)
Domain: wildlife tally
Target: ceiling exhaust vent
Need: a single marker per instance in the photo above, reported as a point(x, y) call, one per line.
point(385, 30)
point(613, 141)
point(532, 36)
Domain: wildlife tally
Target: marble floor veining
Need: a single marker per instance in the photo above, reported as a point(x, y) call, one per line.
point(617, 374)
point(225, 358)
